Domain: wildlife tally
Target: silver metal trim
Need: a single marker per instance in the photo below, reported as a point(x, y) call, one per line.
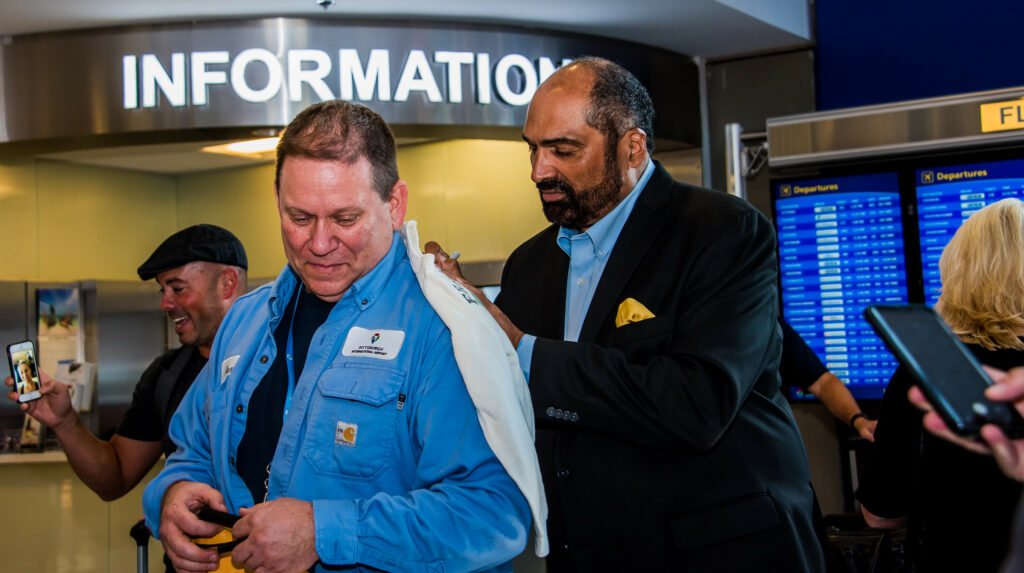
point(924, 103)
point(887, 129)
point(735, 182)
point(67, 89)
point(898, 149)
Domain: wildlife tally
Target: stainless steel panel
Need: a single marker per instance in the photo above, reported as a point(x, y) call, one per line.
point(13, 327)
point(130, 332)
point(890, 129)
point(71, 84)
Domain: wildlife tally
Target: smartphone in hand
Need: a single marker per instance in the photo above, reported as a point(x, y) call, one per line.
point(21, 358)
point(949, 375)
point(221, 518)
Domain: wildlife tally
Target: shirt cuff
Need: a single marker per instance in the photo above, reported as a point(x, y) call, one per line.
point(525, 353)
point(335, 523)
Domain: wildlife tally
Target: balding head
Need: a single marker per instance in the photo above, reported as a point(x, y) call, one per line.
point(617, 101)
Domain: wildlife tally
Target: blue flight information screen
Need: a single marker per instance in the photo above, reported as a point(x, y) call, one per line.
point(948, 195)
point(841, 250)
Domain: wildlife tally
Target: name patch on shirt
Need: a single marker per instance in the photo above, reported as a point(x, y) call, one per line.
point(382, 344)
point(227, 366)
point(345, 434)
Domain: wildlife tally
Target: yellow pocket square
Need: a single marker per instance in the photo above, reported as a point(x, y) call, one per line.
point(630, 311)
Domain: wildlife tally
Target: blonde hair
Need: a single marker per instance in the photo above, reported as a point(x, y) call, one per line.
point(982, 272)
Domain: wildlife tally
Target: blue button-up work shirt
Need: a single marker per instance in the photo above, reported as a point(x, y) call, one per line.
point(381, 435)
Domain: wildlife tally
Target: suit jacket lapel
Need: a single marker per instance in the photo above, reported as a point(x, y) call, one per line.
point(635, 239)
point(554, 276)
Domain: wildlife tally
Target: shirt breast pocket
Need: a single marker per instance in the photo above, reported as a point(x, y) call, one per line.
point(352, 419)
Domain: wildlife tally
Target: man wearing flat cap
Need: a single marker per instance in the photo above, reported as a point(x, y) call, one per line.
point(201, 270)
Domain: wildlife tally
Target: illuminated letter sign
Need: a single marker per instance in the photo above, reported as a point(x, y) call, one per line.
point(514, 77)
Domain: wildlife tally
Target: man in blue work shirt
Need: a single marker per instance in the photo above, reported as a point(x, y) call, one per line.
point(332, 414)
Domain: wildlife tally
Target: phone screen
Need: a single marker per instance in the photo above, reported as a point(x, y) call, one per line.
point(948, 373)
point(24, 370)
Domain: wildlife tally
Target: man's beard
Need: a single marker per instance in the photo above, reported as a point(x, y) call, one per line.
point(581, 208)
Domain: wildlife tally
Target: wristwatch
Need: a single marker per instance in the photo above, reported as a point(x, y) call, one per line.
point(854, 417)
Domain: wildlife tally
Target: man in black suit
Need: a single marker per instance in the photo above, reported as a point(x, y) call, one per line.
point(645, 319)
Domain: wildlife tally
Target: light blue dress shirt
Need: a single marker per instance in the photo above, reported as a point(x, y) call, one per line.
point(588, 254)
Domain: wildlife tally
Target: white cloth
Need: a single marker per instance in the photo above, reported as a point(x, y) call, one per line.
point(495, 381)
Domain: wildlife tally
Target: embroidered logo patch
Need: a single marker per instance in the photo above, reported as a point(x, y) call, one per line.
point(382, 344)
point(345, 434)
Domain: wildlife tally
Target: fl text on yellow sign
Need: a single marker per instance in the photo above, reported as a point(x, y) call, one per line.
point(1003, 115)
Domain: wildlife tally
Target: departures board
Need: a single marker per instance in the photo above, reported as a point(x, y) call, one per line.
point(948, 195)
point(841, 249)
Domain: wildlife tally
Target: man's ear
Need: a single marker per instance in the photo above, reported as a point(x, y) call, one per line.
point(397, 204)
point(636, 143)
point(227, 283)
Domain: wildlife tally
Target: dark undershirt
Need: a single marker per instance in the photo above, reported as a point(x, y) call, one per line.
point(266, 405)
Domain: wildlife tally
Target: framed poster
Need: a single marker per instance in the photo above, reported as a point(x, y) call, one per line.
point(59, 328)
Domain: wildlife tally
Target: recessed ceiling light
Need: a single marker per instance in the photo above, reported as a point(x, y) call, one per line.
point(248, 147)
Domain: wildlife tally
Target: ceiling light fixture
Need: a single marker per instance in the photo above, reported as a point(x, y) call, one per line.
point(248, 147)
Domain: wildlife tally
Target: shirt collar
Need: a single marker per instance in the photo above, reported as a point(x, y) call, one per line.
point(362, 293)
point(606, 230)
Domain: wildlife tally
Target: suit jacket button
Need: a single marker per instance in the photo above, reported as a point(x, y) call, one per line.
point(263, 359)
point(562, 473)
point(574, 417)
point(550, 412)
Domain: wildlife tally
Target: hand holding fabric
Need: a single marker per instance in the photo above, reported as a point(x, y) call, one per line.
point(451, 268)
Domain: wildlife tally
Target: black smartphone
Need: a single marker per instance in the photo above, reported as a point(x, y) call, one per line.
point(21, 357)
point(949, 375)
point(221, 518)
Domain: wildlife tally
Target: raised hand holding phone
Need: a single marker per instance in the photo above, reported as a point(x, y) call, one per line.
point(21, 358)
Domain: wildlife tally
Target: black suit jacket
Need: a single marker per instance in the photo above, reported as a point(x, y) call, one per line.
point(665, 444)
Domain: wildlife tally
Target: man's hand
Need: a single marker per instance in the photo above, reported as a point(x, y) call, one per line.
point(1009, 454)
point(865, 428)
point(451, 268)
point(279, 537)
point(53, 408)
point(179, 524)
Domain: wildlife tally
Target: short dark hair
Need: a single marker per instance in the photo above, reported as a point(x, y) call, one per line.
point(339, 130)
point(618, 101)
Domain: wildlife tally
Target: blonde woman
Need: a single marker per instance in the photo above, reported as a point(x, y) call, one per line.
point(956, 505)
point(26, 378)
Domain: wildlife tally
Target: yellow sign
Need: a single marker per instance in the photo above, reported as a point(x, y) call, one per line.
point(1003, 115)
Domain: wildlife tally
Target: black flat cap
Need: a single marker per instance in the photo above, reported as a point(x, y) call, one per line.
point(203, 242)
